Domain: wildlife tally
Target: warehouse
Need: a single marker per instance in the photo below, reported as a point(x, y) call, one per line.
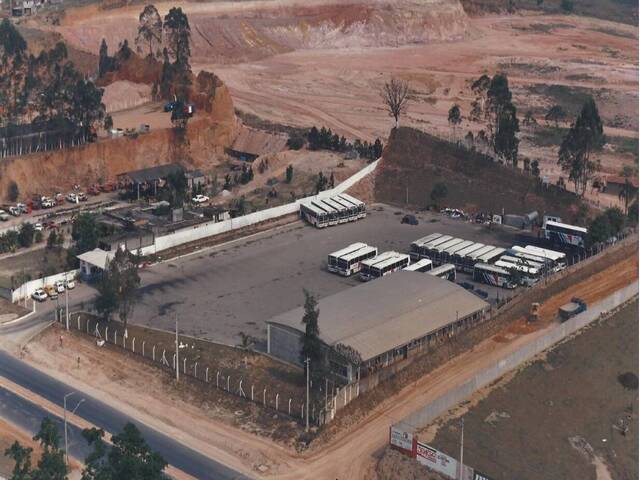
point(385, 322)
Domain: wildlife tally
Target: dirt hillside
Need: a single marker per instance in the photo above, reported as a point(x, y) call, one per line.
point(474, 182)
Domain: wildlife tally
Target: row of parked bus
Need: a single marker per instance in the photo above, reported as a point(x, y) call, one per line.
point(445, 249)
point(340, 208)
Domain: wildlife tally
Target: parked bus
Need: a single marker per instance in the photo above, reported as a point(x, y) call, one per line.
point(351, 208)
point(565, 234)
point(518, 260)
point(314, 215)
point(362, 208)
point(447, 255)
point(383, 264)
point(472, 258)
point(436, 252)
point(332, 213)
point(414, 248)
point(558, 259)
point(423, 265)
point(492, 275)
point(343, 212)
point(529, 275)
point(492, 255)
point(542, 262)
point(352, 262)
point(459, 257)
point(446, 271)
point(424, 251)
point(332, 260)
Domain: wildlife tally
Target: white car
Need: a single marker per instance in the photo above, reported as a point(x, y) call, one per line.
point(59, 286)
point(72, 198)
point(200, 199)
point(3, 216)
point(38, 227)
point(70, 284)
point(40, 295)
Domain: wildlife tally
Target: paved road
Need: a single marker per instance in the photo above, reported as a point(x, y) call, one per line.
point(101, 415)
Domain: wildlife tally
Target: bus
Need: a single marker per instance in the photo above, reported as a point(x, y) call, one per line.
point(446, 271)
point(352, 262)
point(332, 260)
point(343, 212)
point(472, 258)
point(448, 254)
point(492, 255)
point(423, 265)
point(360, 206)
point(383, 264)
point(459, 257)
point(351, 208)
point(332, 213)
point(565, 234)
point(414, 248)
point(437, 252)
point(426, 249)
point(492, 275)
point(518, 260)
point(529, 275)
point(314, 215)
point(558, 259)
point(543, 263)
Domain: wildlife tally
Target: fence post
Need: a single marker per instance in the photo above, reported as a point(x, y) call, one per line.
point(106, 336)
point(174, 362)
point(277, 396)
point(184, 366)
point(115, 337)
point(289, 407)
point(124, 342)
point(252, 393)
point(206, 375)
point(195, 370)
point(217, 378)
point(302, 411)
point(153, 352)
point(264, 397)
point(88, 322)
point(143, 348)
point(79, 321)
point(240, 390)
point(228, 382)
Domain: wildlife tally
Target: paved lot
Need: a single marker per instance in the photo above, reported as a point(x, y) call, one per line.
point(222, 291)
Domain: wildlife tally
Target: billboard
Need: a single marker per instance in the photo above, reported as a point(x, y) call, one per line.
point(436, 460)
point(401, 439)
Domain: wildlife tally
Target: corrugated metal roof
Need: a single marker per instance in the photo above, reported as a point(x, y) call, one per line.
point(379, 316)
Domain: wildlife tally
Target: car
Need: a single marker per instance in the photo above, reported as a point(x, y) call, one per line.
point(168, 107)
point(51, 292)
point(15, 211)
point(70, 284)
point(59, 286)
point(47, 202)
point(39, 295)
point(409, 220)
point(82, 197)
point(72, 198)
point(3, 216)
point(38, 227)
point(22, 207)
point(200, 199)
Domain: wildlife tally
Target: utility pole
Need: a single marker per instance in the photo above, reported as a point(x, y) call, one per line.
point(66, 436)
point(177, 352)
point(307, 409)
point(461, 447)
point(66, 300)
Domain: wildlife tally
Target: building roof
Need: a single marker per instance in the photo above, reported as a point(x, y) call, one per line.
point(621, 180)
point(153, 173)
point(96, 257)
point(259, 142)
point(389, 312)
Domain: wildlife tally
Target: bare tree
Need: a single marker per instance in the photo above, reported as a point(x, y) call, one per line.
point(394, 93)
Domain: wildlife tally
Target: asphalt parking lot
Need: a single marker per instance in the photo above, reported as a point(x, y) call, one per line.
point(219, 292)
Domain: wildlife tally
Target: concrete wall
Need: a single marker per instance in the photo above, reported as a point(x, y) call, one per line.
point(26, 289)
point(284, 343)
point(424, 416)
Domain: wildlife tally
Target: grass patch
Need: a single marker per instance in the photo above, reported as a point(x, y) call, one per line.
point(548, 136)
point(625, 145)
point(31, 265)
point(570, 98)
point(613, 32)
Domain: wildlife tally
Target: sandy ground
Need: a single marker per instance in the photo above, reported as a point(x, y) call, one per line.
point(136, 390)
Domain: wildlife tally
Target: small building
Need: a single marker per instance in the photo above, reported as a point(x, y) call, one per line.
point(251, 143)
point(381, 322)
point(615, 184)
point(94, 263)
point(149, 179)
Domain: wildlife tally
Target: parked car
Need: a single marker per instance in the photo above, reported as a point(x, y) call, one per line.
point(15, 211)
point(168, 107)
point(409, 220)
point(200, 199)
point(51, 292)
point(59, 286)
point(3, 216)
point(38, 227)
point(39, 295)
point(58, 198)
point(47, 202)
point(72, 198)
point(70, 284)
point(82, 197)
point(23, 208)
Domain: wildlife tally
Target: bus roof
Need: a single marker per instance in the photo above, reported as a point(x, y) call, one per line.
point(521, 268)
point(467, 250)
point(480, 252)
point(437, 241)
point(521, 261)
point(356, 253)
point(341, 201)
point(331, 205)
point(419, 264)
point(323, 206)
point(442, 268)
point(314, 208)
point(389, 261)
point(380, 258)
point(491, 254)
point(427, 239)
point(524, 253)
point(446, 245)
point(491, 268)
point(458, 247)
point(347, 250)
point(351, 199)
point(550, 254)
point(566, 225)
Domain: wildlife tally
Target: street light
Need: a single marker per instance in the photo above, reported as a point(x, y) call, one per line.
point(66, 441)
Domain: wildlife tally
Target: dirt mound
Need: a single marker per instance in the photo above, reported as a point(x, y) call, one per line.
point(474, 181)
point(133, 69)
point(124, 94)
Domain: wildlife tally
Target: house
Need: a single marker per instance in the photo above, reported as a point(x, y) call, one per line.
point(94, 263)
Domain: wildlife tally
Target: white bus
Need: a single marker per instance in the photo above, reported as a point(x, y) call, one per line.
point(565, 234)
point(414, 248)
point(530, 275)
point(426, 249)
point(492, 275)
point(351, 208)
point(518, 260)
point(543, 263)
point(437, 253)
point(472, 258)
point(459, 257)
point(383, 264)
point(332, 259)
point(446, 271)
point(343, 212)
point(423, 265)
point(314, 215)
point(332, 213)
point(362, 208)
point(492, 255)
point(352, 262)
point(558, 259)
point(448, 254)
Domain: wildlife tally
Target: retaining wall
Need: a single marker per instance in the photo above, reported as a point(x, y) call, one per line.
point(26, 289)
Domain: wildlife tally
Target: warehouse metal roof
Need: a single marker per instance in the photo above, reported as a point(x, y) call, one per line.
point(378, 316)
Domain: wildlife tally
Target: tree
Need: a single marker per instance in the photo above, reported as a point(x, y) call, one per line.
point(289, 173)
point(13, 65)
point(178, 35)
point(108, 123)
point(529, 119)
point(535, 168)
point(628, 191)
point(177, 186)
point(438, 193)
point(21, 457)
point(312, 347)
point(149, 30)
point(455, 118)
point(584, 136)
point(129, 457)
point(599, 230)
point(51, 465)
point(105, 62)
point(505, 140)
point(567, 6)
point(118, 290)
point(480, 88)
point(85, 233)
point(14, 191)
point(616, 219)
point(555, 114)
point(395, 95)
point(377, 149)
point(25, 236)
point(632, 214)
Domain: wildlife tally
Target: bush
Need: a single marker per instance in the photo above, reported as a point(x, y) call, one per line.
point(295, 142)
point(14, 191)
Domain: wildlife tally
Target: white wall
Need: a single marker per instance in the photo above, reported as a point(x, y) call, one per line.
point(26, 289)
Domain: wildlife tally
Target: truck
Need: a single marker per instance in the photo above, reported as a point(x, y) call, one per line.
point(571, 309)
